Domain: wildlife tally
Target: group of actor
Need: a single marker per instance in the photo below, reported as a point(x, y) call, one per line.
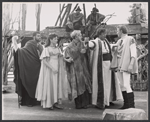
point(90, 72)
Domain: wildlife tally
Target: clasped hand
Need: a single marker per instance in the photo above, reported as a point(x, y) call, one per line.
point(69, 59)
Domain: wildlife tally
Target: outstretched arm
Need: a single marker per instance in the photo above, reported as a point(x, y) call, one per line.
point(14, 43)
point(90, 43)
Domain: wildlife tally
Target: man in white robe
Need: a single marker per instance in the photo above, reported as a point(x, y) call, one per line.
point(104, 88)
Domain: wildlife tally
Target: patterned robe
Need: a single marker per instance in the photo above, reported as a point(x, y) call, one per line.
point(77, 72)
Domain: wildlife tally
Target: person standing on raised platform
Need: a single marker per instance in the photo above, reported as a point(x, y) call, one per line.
point(75, 20)
point(126, 64)
point(94, 19)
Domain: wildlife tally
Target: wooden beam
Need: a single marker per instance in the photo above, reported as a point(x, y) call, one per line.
point(24, 13)
point(19, 28)
point(60, 14)
point(74, 8)
point(132, 29)
point(37, 14)
point(63, 16)
point(84, 13)
point(68, 12)
point(145, 36)
point(111, 29)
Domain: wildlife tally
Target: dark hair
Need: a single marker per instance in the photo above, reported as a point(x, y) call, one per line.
point(35, 33)
point(100, 31)
point(123, 29)
point(48, 42)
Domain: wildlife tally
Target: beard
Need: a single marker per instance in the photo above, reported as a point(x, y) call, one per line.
point(37, 40)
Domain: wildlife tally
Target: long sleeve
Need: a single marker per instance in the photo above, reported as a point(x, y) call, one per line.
point(44, 54)
point(133, 50)
point(92, 45)
point(14, 43)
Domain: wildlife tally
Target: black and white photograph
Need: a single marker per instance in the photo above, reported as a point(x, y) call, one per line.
point(75, 61)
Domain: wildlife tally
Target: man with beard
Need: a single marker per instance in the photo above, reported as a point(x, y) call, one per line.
point(27, 66)
point(93, 19)
point(75, 21)
point(105, 87)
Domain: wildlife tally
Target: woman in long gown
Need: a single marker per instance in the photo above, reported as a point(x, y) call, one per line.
point(77, 72)
point(49, 87)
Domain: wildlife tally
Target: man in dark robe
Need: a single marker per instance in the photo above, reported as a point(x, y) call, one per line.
point(27, 66)
point(93, 19)
point(75, 21)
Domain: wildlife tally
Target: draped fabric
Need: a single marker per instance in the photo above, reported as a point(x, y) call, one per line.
point(17, 79)
point(95, 19)
point(124, 61)
point(29, 66)
point(75, 22)
point(26, 71)
point(99, 76)
point(77, 72)
point(51, 87)
point(76, 17)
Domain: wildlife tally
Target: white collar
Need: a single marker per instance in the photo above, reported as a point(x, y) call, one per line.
point(123, 37)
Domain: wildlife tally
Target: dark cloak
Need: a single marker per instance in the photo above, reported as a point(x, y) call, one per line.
point(27, 67)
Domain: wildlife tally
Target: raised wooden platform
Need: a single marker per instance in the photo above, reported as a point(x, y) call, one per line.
point(111, 29)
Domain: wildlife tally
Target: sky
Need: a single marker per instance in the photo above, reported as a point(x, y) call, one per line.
point(51, 10)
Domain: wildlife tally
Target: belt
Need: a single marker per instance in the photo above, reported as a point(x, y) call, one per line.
point(107, 57)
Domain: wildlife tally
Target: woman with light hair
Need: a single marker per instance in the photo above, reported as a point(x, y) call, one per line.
point(77, 72)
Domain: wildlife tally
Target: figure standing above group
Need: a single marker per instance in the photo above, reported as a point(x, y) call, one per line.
point(76, 21)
